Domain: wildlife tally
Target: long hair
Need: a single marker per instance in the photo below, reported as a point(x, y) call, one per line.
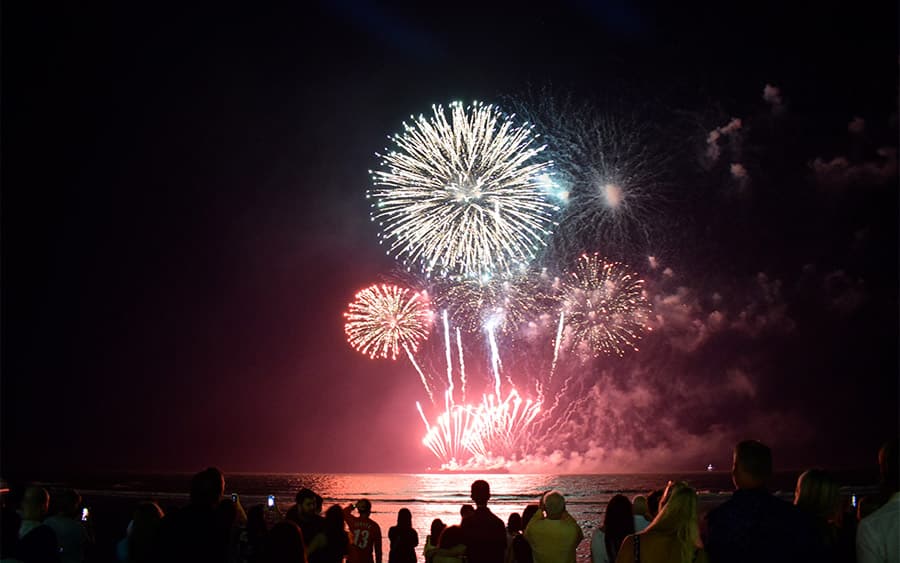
point(817, 494)
point(404, 518)
point(618, 523)
point(678, 516)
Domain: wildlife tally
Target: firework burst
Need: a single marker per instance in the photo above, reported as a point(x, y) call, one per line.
point(604, 306)
point(608, 173)
point(502, 303)
point(385, 319)
point(462, 196)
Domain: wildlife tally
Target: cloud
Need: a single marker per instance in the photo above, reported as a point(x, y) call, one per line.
point(772, 96)
point(843, 293)
point(713, 151)
point(839, 172)
point(857, 125)
point(738, 170)
point(738, 381)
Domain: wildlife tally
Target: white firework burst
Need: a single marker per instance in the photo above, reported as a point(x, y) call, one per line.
point(463, 195)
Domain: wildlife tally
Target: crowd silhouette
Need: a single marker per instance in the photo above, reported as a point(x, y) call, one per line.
point(751, 526)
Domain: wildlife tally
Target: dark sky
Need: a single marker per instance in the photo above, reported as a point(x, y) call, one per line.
point(184, 221)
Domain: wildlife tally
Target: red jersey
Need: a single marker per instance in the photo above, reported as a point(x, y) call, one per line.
point(365, 539)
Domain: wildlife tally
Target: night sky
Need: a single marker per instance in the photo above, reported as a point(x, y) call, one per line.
point(184, 222)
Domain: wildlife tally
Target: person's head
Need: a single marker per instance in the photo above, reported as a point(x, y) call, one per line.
point(554, 504)
point(481, 492)
point(817, 493)
point(284, 544)
point(889, 466)
point(752, 466)
point(528, 513)
point(514, 523)
point(617, 524)
point(466, 510)
point(364, 507)
point(437, 526)
point(306, 503)
point(678, 516)
point(35, 503)
point(334, 519)
point(68, 503)
point(207, 487)
point(404, 518)
point(653, 503)
point(639, 505)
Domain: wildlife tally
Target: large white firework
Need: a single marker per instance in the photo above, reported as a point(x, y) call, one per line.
point(463, 194)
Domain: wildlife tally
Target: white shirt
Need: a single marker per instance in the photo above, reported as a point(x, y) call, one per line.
point(640, 523)
point(878, 534)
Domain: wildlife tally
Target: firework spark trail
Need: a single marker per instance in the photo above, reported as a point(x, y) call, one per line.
point(495, 359)
point(462, 196)
point(415, 364)
point(556, 341)
point(449, 362)
point(462, 364)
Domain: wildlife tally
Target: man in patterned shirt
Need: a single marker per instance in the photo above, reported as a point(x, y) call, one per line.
point(365, 534)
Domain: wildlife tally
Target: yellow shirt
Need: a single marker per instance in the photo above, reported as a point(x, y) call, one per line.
point(553, 541)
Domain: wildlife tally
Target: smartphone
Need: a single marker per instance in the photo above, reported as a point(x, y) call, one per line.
point(84, 514)
point(270, 503)
point(234, 498)
point(853, 501)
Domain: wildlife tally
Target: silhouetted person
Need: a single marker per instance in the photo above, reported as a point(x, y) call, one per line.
point(142, 541)
point(197, 533)
point(639, 513)
point(484, 534)
point(306, 515)
point(673, 536)
point(521, 551)
point(618, 522)
point(284, 544)
point(404, 539)
point(552, 533)
point(336, 541)
point(653, 504)
point(451, 548)
point(877, 537)
point(10, 521)
point(432, 539)
point(365, 533)
point(753, 525)
point(256, 532)
point(37, 542)
point(71, 532)
point(465, 510)
point(817, 496)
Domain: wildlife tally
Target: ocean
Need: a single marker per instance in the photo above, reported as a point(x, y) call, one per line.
point(428, 496)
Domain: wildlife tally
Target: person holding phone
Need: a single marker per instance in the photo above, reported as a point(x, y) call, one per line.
point(365, 545)
point(71, 524)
